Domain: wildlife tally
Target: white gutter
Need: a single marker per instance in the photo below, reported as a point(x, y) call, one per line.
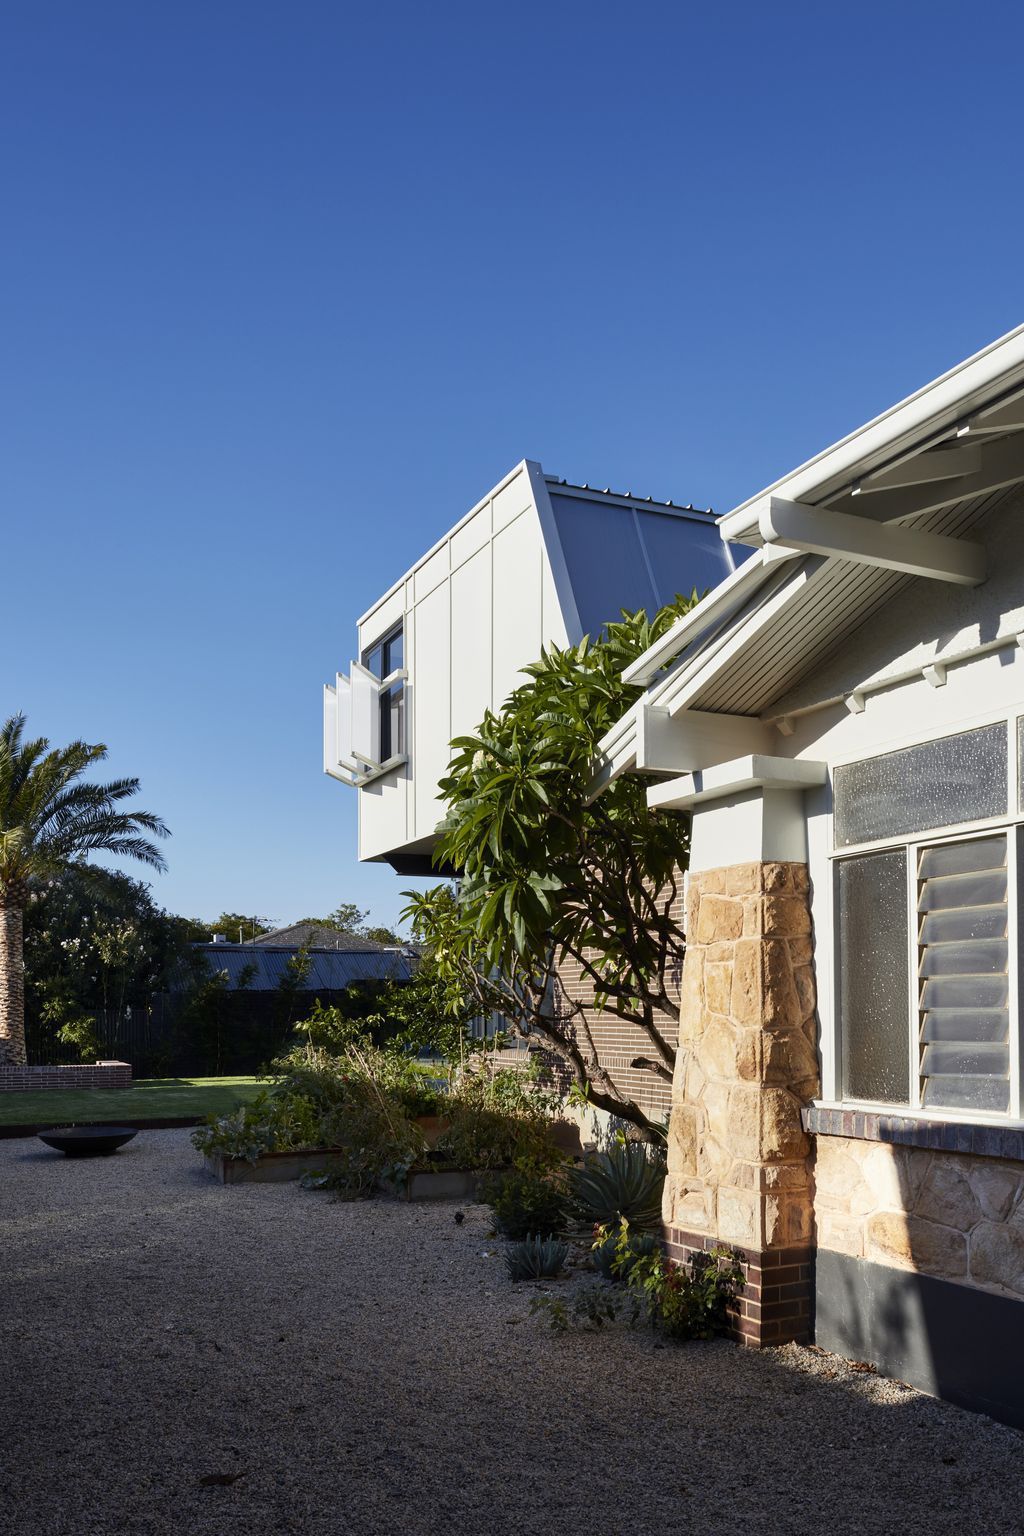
point(936, 408)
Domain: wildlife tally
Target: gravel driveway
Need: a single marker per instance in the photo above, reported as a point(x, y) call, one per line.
point(368, 1368)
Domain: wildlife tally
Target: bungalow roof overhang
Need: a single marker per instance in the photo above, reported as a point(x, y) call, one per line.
point(835, 539)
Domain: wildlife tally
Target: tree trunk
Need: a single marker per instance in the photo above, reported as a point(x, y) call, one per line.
point(12, 987)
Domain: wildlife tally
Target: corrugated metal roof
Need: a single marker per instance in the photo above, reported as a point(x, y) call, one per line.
point(619, 554)
point(320, 936)
point(839, 597)
point(329, 970)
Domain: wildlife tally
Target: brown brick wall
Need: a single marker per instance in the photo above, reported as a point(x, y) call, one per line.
point(774, 1306)
point(108, 1074)
point(619, 1042)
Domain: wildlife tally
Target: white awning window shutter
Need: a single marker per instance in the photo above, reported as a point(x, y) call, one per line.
point(365, 716)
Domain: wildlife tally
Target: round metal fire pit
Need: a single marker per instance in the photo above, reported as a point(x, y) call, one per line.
point(87, 1140)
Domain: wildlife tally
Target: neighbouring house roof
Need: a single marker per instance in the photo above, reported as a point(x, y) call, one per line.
point(941, 462)
point(320, 936)
point(263, 966)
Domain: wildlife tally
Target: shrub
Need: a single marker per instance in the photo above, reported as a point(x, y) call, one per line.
point(611, 1262)
point(624, 1183)
point(528, 1200)
point(536, 1258)
point(688, 1302)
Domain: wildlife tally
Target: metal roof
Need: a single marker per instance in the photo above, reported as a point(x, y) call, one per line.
point(329, 970)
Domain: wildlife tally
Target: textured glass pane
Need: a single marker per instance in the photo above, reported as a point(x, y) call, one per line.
point(964, 858)
point(873, 977)
point(980, 890)
point(964, 923)
point(984, 956)
point(965, 992)
point(990, 1094)
point(959, 778)
point(966, 1024)
point(949, 1059)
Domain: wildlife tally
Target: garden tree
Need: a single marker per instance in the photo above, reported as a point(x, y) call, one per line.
point(95, 939)
point(551, 874)
point(50, 817)
point(237, 928)
point(348, 918)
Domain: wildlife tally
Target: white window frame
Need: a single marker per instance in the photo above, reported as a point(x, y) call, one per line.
point(912, 844)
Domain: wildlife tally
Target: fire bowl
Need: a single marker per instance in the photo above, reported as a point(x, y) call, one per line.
point(87, 1140)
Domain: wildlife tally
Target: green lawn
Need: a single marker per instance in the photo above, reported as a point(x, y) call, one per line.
point(151, 1098)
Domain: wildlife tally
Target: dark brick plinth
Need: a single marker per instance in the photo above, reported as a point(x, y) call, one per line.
point(775, 1306)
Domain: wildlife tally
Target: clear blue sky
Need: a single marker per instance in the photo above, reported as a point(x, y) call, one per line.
point(286, 287)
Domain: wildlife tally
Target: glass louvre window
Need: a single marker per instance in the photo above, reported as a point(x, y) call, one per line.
point(963, 961)
point(382, 660)
point(938, 784)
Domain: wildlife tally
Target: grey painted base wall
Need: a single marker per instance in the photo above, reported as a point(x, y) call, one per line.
point(961, 1344)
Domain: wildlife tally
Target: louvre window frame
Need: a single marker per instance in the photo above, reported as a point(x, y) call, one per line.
point(1011, 826)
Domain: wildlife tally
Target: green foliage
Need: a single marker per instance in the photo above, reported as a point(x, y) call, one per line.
point(589, 1309)
point(623, 1183)
point(685, 1302)
point(324, 1102)
point(551, 873)
point(612, 1260)
point(238, 928)
point(528, 1200)
point(75, 1029)
point(536, 1258)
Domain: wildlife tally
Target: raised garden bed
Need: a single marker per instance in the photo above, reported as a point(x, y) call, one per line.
point(281, 1167)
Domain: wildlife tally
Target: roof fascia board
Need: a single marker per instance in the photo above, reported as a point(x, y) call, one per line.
point(553, 549)
point(396, 585)
point(937, 406)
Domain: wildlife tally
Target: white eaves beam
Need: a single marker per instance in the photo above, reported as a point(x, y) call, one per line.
point(815, 531)
point(743, 774)
point(922, 469)
point(693, 738)
point(1008, 417)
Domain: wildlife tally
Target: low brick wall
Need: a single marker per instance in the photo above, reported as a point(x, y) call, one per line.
point(105, 1074)
point(774, 1306)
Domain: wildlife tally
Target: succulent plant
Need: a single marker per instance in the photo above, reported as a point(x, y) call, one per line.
point(536, 1258)
point(624, 1182)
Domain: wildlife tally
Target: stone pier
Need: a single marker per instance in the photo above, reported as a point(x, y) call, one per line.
point(740, 1172)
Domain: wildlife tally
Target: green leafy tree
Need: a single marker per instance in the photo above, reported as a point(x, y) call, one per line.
point(552, 873)
point(237, 928)
point(50, 817)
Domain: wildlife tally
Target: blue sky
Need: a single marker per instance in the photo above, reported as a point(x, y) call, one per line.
point(286, 287)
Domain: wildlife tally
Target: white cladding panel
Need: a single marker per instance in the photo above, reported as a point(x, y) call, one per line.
point(471, 642)
point(518, 558)
point(431, 702)
point(476, 610)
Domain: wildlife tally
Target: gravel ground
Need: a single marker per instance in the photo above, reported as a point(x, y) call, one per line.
point(369, 1368)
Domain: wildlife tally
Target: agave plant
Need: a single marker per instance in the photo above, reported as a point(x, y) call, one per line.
point(536, 1258)
point(624, 1182)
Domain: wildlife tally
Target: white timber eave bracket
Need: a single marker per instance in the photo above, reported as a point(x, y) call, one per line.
point(790, 526)
point(726, 780)
point(651, 740)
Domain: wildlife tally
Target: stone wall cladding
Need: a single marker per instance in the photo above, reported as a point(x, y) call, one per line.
point(775, 1304)
point(739, 1159)
point(106, 1074)
point(949, 1215)
point(618, 1042)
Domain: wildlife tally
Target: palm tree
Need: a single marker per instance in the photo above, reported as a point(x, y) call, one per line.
point(49, 819)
